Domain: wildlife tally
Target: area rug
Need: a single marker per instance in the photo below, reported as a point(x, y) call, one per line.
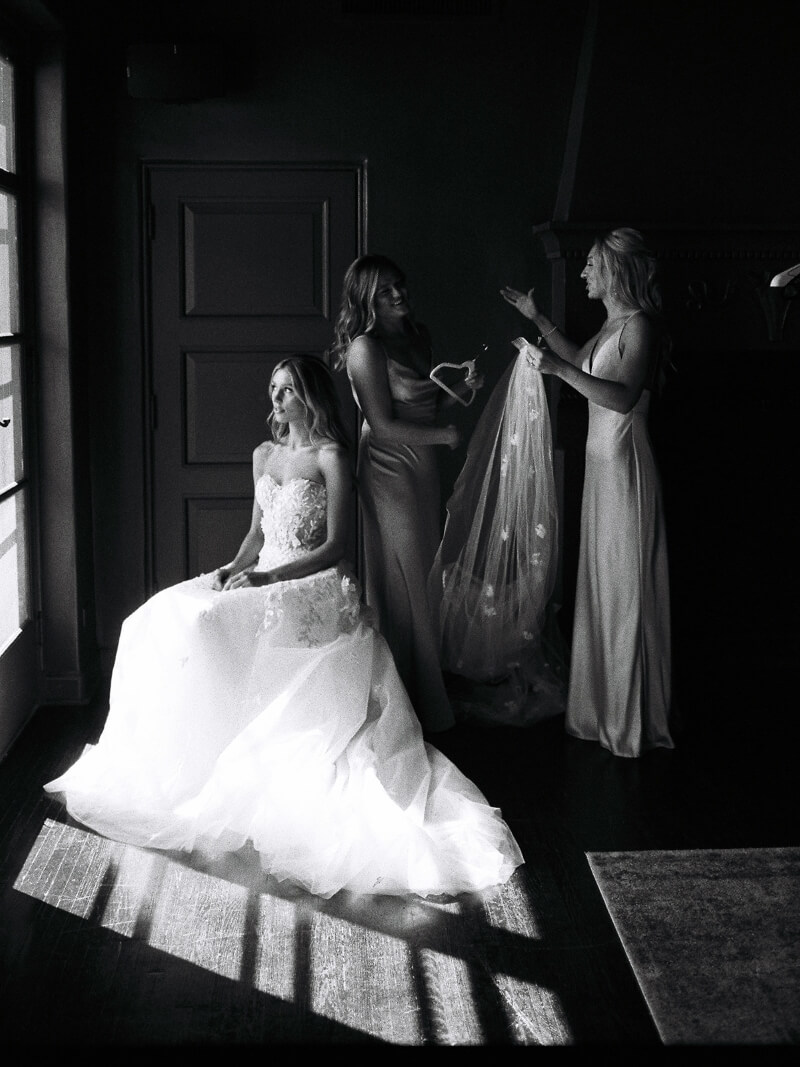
point(713, 937)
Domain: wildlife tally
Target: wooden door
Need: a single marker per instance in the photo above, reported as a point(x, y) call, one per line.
point(245, 264)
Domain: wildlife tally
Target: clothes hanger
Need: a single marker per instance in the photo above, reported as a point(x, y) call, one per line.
point(468, 365)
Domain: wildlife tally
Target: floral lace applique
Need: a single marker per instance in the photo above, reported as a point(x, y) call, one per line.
point(307, 611)
point(315, 610)
point(293, 519)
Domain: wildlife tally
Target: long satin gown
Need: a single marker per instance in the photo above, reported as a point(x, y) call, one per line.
point(400, 497)
point(620, 665)
point(275, 717)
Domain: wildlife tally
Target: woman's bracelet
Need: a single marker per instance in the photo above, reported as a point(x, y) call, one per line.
point(546, 335)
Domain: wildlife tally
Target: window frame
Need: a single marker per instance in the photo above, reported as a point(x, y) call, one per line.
point(16, 48)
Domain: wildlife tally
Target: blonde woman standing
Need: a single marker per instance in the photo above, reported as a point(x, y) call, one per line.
point(620, 667)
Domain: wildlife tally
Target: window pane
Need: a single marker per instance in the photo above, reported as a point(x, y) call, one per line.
point(11, 458)
point(14, 597)
point(9, 271)
point(7, 155)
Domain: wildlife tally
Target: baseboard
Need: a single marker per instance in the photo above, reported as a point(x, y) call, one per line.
point(79, 687)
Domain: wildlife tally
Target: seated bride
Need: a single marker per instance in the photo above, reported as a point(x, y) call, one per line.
point(258, 706)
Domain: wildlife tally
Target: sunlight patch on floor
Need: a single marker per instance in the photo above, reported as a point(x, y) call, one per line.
point(404, 970)
point(534, 1010)
point(360, 977)
point(131, 892)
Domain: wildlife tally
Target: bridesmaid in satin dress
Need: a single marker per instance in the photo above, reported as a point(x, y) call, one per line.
point(388, 358)
point(620, 665)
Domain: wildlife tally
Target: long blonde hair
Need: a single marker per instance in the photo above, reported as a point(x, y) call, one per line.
point(357, 311)
point(316, 390)
point(632, 271)
point(631, 268)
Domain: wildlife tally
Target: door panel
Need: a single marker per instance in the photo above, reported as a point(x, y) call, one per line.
point(218, 382)
point(214, 530)
point(262, 257)
point(245, 265)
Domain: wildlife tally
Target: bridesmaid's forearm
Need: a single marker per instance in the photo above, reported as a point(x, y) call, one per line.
point(555, 340)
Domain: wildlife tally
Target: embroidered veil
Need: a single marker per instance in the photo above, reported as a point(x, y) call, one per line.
point(495, 570)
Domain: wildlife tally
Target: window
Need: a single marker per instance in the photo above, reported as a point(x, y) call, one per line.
point(15, 488)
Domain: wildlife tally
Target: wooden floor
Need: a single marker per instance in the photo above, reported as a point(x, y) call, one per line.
point(103, 945)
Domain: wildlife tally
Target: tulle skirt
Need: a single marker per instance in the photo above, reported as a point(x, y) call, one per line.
point(275, 717)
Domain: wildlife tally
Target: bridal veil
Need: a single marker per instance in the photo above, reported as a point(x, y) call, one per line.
point(495, 571)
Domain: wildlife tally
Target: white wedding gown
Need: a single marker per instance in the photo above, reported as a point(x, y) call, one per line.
point(275, 716)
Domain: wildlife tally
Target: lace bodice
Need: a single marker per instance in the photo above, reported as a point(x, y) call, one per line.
point(293, 519)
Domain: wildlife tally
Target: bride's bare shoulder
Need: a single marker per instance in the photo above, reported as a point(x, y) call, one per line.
point(262, 455)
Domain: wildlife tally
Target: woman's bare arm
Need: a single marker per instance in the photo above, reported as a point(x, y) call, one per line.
point(334, 471)
point(557, 341)
point(251, 546)
point(637, 345)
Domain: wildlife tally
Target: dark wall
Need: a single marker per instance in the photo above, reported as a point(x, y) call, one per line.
point(463, 121)
point(691, 121)
point(723, 430)
point(692, 114)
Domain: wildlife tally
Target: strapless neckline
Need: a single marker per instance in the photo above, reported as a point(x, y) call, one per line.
point(296, 478)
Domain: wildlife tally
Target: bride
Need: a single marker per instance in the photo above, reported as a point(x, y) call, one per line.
point(259, 705)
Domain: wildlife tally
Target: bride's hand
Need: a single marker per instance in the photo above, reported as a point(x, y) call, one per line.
point(242, 579)
point(523, 302)
point(219, 577)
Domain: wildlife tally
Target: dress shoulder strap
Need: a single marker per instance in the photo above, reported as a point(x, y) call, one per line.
point(632, 315)
point(655, 363)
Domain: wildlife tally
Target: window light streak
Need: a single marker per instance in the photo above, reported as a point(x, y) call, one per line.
point(297, 949)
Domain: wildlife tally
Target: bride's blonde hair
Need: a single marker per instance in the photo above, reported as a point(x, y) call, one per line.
point(316, 390)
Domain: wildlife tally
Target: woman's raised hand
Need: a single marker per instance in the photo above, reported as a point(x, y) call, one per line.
point(523, 302)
